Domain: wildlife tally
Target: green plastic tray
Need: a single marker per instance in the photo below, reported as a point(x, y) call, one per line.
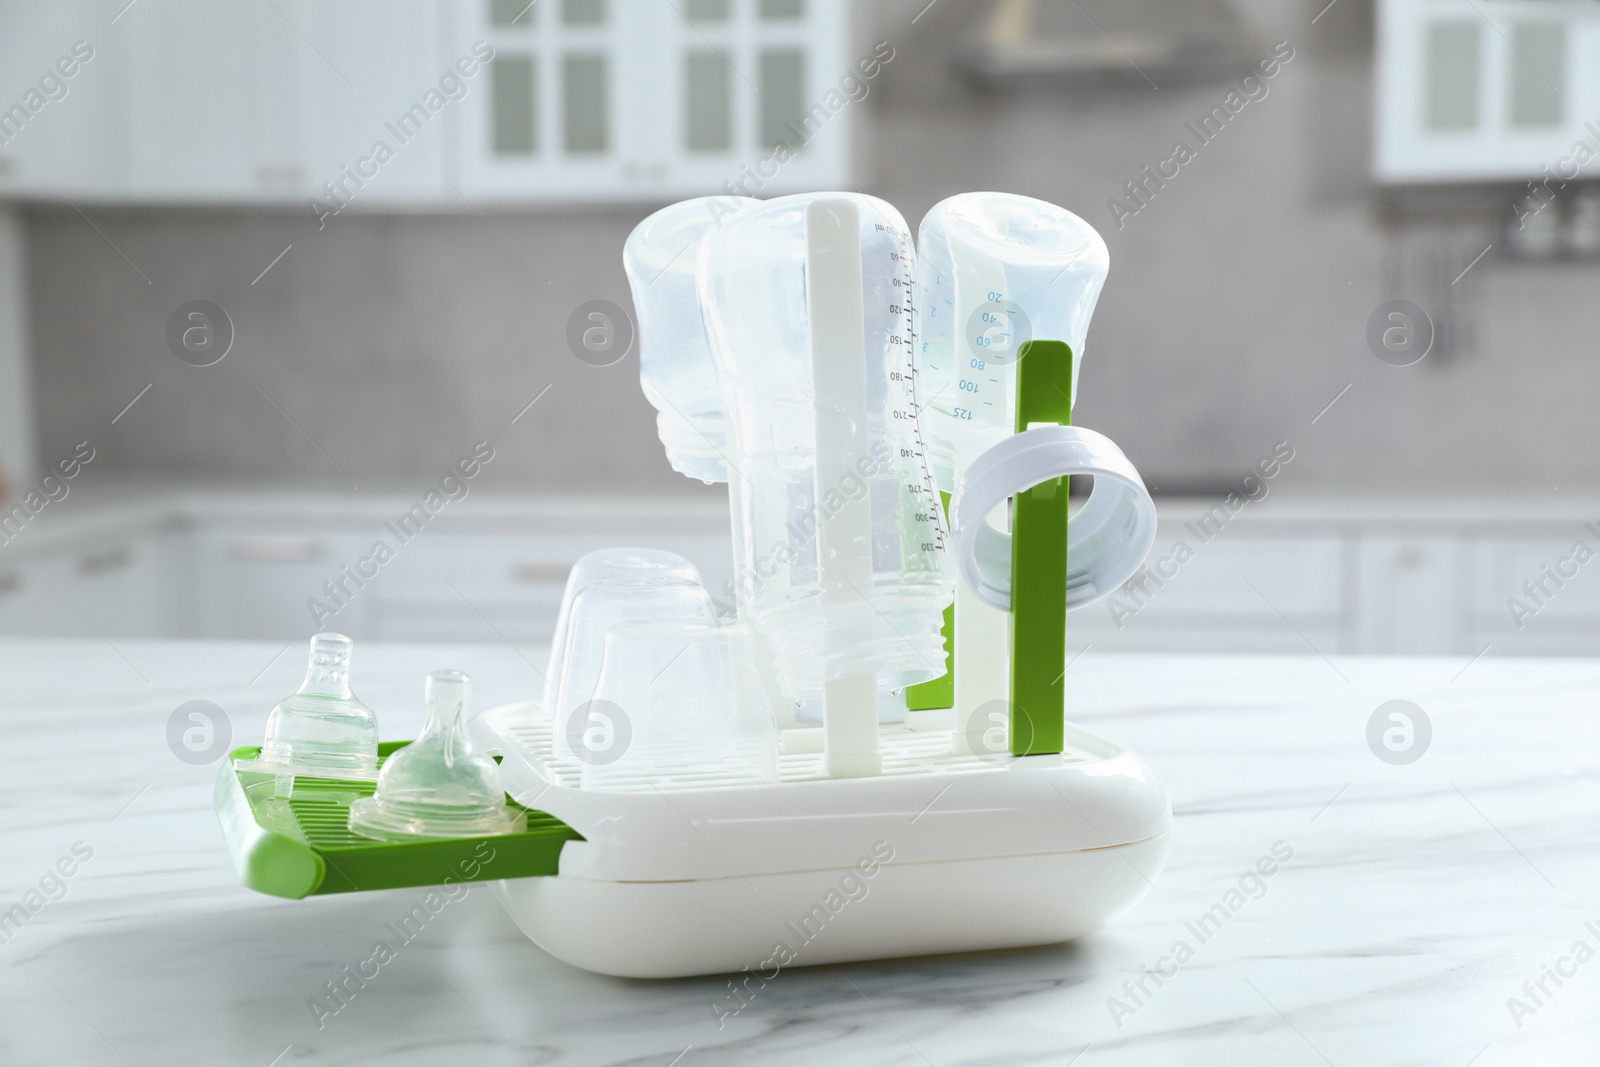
point(300, 846)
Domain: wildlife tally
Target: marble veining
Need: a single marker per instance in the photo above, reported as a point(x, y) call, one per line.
point(1430, 913)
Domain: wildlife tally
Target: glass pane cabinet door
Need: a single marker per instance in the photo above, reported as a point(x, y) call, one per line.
point(1538, 67)
point(606, 99)
point(707, 102)
point(585, 103)
point(1451, 80)
point(514, 109)
point(1468, 91)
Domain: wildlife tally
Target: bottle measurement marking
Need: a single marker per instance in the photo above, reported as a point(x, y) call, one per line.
point(933, 512)
point(998, 333)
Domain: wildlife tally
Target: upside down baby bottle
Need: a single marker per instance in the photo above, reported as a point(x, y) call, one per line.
point(807, 304)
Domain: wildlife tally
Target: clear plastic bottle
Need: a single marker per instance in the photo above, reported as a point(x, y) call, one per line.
point(675, 368)
point(806, 301)
point(995, 270)
point(322, 730)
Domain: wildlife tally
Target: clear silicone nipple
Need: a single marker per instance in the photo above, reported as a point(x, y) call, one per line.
point(438, 786)
point(322, 730)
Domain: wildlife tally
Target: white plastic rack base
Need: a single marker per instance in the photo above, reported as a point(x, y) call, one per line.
point(942, 852)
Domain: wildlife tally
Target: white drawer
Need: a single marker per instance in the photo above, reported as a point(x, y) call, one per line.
point(1505, 565)
point(101, 587)
point(507, 568)
point(1216, 635)
point(529, 627)
point(1235, 576)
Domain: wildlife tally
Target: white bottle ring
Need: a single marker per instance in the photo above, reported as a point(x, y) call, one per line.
point(1107, 540)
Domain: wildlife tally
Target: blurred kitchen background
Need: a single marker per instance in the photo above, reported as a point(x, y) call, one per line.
point(373, 316)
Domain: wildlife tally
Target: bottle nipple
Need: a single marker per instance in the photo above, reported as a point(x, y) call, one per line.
point(328, 673)
point(321, 730)
point(439, 785)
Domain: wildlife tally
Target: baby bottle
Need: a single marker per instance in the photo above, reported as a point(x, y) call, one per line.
point(674, 363)
point(840, 536)
point(995, 271)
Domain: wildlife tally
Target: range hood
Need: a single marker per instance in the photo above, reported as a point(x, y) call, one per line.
point(1099, 43)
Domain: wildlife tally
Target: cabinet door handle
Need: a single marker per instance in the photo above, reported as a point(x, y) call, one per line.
point(271, 548)
point(540, 573)
point(112, 559)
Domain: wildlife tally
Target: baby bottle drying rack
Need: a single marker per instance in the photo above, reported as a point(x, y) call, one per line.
point(942, 852)
point(960, 828)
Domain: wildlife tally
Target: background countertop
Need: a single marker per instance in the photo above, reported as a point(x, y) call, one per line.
point(1418, 898)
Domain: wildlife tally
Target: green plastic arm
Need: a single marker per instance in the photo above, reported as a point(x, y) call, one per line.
point(1039, 564)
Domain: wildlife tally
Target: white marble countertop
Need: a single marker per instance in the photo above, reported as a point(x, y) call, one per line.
point(1418, 900)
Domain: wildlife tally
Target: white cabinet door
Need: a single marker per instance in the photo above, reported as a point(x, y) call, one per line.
point(476, 587)
point(61, 72)
point(114, 589)
point(620, 100)
point(100, 587)
point(1473, 91)
point(261, 580)
point(367, 95)
point(267, 102)
point(1538, 595)
point(1235, 591)
point(502, 587)
point(192, 100)
point(1411, 600)
point(567, 97)
point(191, 114)
point(28, 607)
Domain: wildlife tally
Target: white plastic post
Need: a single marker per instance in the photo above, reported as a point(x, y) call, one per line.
point(844, 535)
point(983, 631)
point(983, 672)
point(766, 666)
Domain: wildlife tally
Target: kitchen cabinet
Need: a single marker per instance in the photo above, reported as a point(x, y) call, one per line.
point(1409, 598)
point(362, 86)
point(598, 99)
point(258, 579)
point(186, 100)
point(1285, 576)
point(103, 584)
point(1534, 593)
point(57, 108)
point(187, 127)
point(493, 587)
point(282, 567)
point(1359, 580)
point(485, 588)
point(1270, 591)
point(112, 585)
point(288, 102)
point(1468, 91)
